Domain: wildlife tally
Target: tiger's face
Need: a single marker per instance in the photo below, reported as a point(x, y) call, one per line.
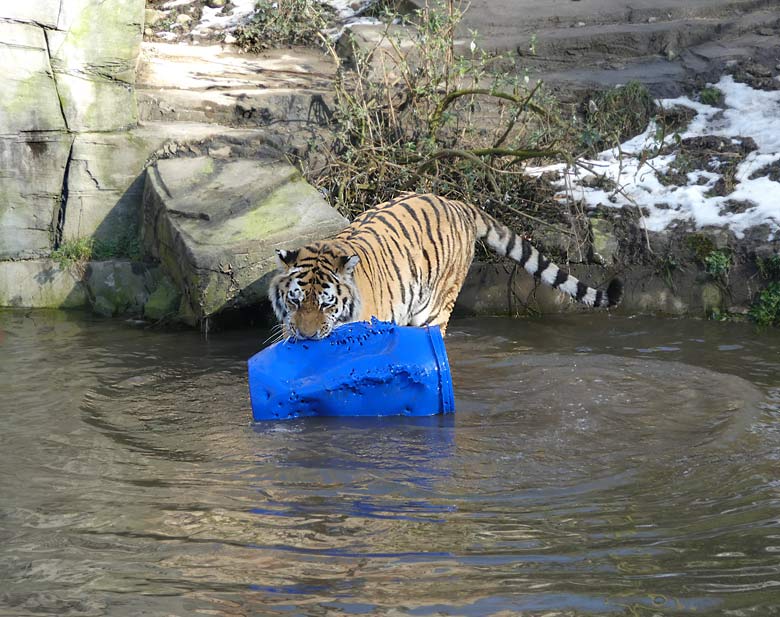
point(314, 291)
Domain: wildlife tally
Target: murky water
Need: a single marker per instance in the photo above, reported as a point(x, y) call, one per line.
point(595, 465)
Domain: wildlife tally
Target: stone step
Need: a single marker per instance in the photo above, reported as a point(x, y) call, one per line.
point(581, 46)
point(631, 40)
point(580, 49)
point(178, 83)
point(499, 22)
point(664, 56)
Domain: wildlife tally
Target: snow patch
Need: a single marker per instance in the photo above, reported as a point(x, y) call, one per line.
point(217, 19)
point(347, 9)
point(175, 3)
point(748, 113)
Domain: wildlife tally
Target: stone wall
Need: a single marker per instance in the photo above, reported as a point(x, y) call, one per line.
point(73, 162)
point(68, 72)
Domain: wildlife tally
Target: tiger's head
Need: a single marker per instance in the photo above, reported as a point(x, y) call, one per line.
point(314, 291)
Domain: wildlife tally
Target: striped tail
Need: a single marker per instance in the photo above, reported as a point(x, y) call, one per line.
point(507, 243)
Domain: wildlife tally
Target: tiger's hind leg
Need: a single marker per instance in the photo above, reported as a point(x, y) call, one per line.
point(442, 317)
point(452, 284)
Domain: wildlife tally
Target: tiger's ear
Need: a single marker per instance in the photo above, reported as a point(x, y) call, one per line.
point(348, 263)
point(285, 259)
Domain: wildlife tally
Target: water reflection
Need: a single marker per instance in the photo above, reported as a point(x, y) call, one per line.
point(594, 466)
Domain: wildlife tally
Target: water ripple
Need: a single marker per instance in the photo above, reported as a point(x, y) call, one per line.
point(595, 465)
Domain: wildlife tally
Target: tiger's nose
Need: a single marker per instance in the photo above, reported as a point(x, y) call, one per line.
point(308, 328)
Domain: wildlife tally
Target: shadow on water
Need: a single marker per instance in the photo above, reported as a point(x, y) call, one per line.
point(595, 465)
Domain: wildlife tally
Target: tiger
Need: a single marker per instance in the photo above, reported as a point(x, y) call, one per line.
point(403, 261)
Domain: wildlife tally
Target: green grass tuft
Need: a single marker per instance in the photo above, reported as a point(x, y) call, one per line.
point(76, 253)
point(711, 96)
point(73, 252)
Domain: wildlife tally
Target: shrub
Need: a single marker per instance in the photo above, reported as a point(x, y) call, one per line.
point(717, 263)
point(124, 245)
point(282, 23)
point(413, 115)
point(769, 267)
point(615, 115)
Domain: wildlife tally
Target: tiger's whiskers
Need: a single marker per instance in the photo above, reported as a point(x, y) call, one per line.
point(277, 334)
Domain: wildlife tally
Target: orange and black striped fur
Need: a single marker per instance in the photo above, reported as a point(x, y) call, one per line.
point(404, 261)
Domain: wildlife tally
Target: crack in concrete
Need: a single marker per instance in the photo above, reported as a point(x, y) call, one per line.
point(60, 225)
point(63, 200)
point(54, 79)
point(90, 174)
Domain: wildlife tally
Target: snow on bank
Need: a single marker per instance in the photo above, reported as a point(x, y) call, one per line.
point(347, 9)
point(747, 113)
point(219, 20)
point(349, 13)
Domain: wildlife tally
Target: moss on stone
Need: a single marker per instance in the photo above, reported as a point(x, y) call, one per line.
point(700, 245)
point(207, 168)
point(95, 64)
point(711, 298)
point(92, 105)
point(117, 287)
point(186, 314)
point(39, 284)
point(109, 29)
point(31, 104)
point(163, 303)
point(271, 216)
point(216, 292)
point(103, 306)
point(605, 243)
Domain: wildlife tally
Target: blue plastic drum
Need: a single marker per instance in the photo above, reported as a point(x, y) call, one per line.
point(361, 369)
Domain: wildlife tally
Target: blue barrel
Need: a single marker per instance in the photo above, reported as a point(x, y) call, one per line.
point(361, 369)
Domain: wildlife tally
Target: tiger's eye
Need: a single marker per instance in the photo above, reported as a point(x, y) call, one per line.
point(294, 298)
